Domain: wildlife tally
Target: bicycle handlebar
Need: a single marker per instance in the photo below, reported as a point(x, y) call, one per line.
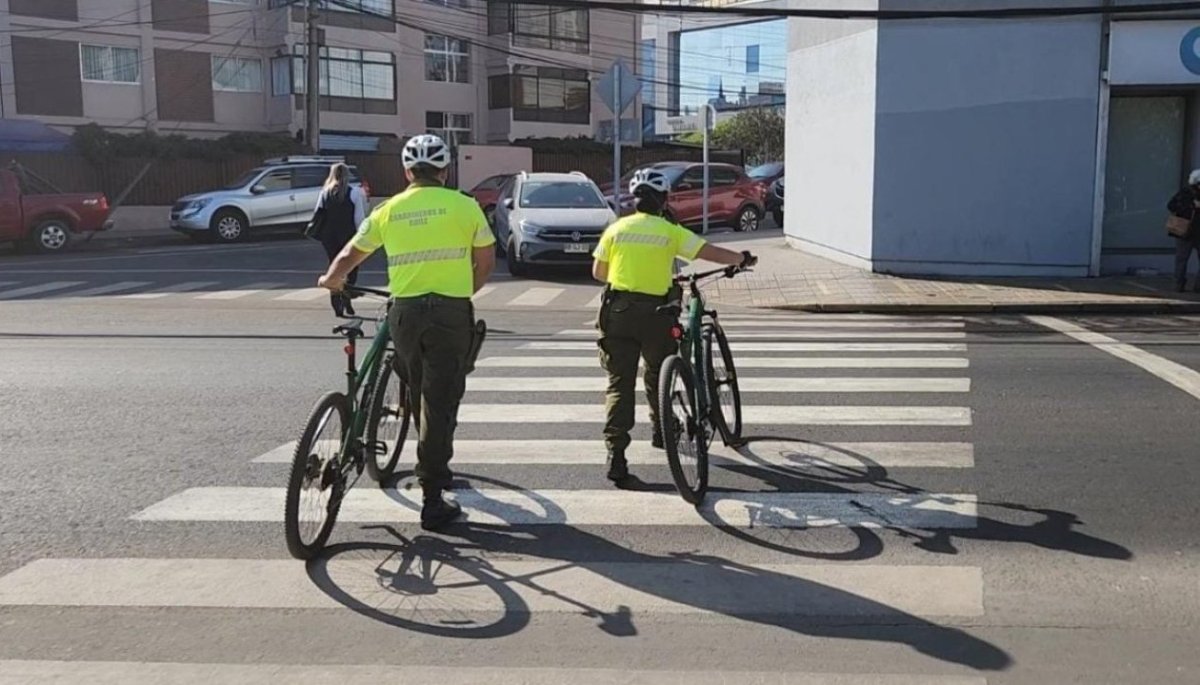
point(366, 291)
point(726, 271)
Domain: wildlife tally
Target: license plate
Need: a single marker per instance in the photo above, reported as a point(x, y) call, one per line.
point(576, 248)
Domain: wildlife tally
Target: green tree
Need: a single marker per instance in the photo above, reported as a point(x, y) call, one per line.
point(758, 132)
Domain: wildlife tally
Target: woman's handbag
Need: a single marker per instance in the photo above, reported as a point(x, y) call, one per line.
point(1179, 226)
point(316, 225)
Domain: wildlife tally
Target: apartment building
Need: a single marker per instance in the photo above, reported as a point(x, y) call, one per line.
point(471, 70)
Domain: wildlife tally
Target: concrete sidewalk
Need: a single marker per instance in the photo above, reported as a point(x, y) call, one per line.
point(787, 278)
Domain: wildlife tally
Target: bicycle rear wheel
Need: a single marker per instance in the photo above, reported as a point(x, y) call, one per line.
point(315, 486)
point(683, 429)
point(388, 419)
point(726, 396)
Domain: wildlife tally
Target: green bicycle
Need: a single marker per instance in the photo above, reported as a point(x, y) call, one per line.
point(688, 416)
point(364, 427)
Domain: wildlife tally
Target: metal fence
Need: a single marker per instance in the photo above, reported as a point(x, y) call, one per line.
point(170, 179)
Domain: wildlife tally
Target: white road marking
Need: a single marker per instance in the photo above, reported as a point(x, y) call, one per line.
point(157, 673)
point(772, 453)
point(805, 323)
point(250, 289)
point(748, 362)
point(105, 289)
point(736, 336)
point(597, 383)
point(596, 301)
point(782, 347)
point(593, 508)
point(38, 289)
point(1180, 376)
point(654, 586)
point(536, 297)
point(483, 292)
point(752, 414)
point(175, 288)
point(303, 295)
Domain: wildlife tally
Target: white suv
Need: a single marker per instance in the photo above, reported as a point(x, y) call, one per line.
point(280, 194)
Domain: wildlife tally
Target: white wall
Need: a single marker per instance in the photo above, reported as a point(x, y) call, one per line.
point(830, 153)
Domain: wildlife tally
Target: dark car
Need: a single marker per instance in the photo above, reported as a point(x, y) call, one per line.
point(770, 175)
point(733, 198)
point(487, 192)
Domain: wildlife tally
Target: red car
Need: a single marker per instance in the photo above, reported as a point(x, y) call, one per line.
point(734, 199)
point(487, 192)
point(45, 223)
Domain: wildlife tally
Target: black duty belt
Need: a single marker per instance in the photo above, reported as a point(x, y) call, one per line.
point(636, 297)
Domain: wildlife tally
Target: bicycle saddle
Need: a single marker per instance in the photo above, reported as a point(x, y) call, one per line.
point(350, 329)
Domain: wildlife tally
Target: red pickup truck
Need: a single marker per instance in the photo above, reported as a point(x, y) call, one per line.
point(45, 223)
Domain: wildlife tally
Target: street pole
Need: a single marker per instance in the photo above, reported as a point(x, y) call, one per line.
point(704, 121)
point(617, 191)
point(312, 91)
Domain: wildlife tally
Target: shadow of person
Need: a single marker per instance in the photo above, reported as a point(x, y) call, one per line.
point(765, 595)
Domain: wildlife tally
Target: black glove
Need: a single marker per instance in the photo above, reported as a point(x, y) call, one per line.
point(748, 260)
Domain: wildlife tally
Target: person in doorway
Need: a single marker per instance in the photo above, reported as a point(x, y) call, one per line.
point(635, 259)
point(440, 252)
point(345, 208)
point(1186, 205)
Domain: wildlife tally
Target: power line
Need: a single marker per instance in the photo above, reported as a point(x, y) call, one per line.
point(108, 23)
point(876, 15)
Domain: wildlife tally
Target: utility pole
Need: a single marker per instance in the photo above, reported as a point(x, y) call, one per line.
point(312, 89)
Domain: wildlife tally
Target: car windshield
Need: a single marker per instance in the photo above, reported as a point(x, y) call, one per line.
point(560, 195)
point(765, 170)
point(244, 179)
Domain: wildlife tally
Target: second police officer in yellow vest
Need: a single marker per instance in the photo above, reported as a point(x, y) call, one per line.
point(440, 251)
point(635, 260)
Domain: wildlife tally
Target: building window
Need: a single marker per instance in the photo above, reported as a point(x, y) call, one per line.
point(551, 95)
point(347, 73)
point(281, 76)
point(236, 2)
point(453, 128)
point(447, 60)
point(448, 3)
point(376, 7)
point(550, 28)
point(237, 74)
point(105, 64)
point(499, 16)
point(649, 68)
point(500, 91)
point(751, 59)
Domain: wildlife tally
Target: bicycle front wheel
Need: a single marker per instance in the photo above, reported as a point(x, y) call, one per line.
point(684, 431)
point(315, 487)
point(726, 397)
point(387, 423)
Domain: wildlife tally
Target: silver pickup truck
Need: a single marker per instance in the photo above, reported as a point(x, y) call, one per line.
point(280, 194)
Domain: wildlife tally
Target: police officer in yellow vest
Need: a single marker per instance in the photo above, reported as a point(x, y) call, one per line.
point(635, 259)
point(440, 252)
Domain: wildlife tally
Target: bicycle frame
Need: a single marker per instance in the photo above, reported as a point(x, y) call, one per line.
point(690, 345)
point(359, 376)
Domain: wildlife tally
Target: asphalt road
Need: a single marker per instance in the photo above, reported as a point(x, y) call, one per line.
point(1000, 504)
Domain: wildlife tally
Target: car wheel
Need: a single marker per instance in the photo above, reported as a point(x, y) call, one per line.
point(52, 235)
point(228, 226)
point(777, 215)
point(747, 220)
point(515, 266)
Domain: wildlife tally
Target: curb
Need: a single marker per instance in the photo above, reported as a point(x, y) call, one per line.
point(1168, 307)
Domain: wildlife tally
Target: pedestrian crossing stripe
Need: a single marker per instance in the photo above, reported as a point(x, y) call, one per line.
point(38, 289)
point(735, 335)
point(536, 297)
point(744, 362)
point(783, 347)
point(760, 453)
point(766, 415)
point(173, 289)
point(105, 289)
point(607, 507)
point(244, 291)
point(15, 672)
point(656, 585)
point(597, 383)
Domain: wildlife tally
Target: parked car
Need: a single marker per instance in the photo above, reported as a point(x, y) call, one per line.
point(733, 198)
point(280, 194)
point(775, 201)
point(543, 219)
point(47, 222)
point(769, 175)
point(487, 192)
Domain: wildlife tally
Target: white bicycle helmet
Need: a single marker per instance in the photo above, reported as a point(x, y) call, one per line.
point(1194, 177)
point(426, 149)
point(653, 178)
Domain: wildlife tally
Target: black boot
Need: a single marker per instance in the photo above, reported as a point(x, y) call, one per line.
point(656, 440)
point(437, 512)
point(618, 468)
point(348, 306)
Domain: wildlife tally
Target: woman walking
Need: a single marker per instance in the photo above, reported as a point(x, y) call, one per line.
point(341, 209)
point(1185, 205)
